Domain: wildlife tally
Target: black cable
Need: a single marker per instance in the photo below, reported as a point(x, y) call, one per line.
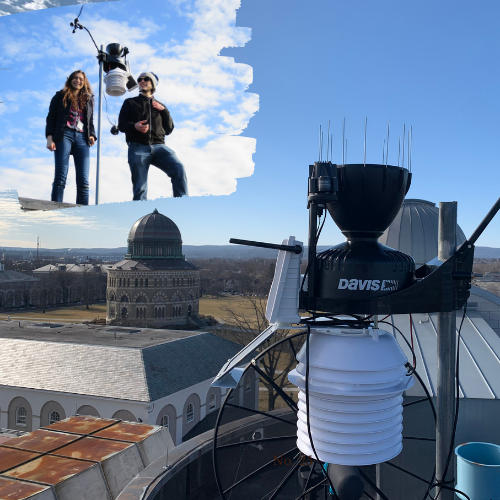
point(407, 343)
point(307, 411)
point(318, 232)
point(107, 115)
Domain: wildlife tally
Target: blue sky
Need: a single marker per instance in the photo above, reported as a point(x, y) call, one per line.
point(429, 65)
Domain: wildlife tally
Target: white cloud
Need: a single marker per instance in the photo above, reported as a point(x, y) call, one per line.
point(204, 92)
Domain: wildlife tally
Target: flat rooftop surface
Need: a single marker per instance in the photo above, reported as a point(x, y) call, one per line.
point(105, 335)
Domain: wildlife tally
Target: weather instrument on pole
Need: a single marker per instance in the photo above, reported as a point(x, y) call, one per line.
point(349, 375)
point(118, 80)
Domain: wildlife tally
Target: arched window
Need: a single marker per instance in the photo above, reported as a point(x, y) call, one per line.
point(136, 282)
point(165, 421)
point(162, 312)
point(120, 282)
point(146, 283)
point(190, 413)
point(124, 313)
point(128, 281)
point(54, 417)
point(141, 282)
point(212, 403)
point(21, 416)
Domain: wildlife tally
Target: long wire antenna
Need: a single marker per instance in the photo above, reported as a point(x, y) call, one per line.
point(343, 142)
point(387, 152)
point(319, 152)
point(383, 153)
point(331, 147)
point(328, 141)
point(364, 156)
point(346, 150)
point(399, 150)
point(411, 143)
point(408, 153)
point(404, 133)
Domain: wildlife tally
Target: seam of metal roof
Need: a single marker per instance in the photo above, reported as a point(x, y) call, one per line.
point(475, 363)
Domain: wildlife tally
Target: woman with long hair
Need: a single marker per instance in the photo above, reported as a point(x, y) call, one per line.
point(70, 131)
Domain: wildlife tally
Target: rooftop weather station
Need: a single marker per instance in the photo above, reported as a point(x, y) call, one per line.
point(326, 437)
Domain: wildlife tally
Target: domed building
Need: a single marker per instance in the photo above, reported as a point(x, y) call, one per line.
point(154, 285)
point(414, 231)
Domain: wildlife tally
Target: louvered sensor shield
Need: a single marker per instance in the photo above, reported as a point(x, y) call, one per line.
point(356, 381)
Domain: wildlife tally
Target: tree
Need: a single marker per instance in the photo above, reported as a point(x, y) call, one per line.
point(89, 280)
point(243, 325)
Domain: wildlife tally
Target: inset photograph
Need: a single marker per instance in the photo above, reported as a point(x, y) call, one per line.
point(106, 102)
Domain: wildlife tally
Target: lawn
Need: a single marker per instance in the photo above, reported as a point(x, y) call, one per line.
point(71, 314)
point(212, 306)
point(209, 306)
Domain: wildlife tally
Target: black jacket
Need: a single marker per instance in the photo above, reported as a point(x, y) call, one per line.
point(138, 109)
point(59, 114)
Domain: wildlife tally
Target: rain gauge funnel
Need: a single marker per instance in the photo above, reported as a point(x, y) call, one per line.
point(478, 470)
point(366, 201)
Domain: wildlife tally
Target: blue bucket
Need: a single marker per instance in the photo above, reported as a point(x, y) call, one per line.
point(478, 471)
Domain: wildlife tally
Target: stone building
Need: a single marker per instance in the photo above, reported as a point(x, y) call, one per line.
point(17, 289)
point(154, 285)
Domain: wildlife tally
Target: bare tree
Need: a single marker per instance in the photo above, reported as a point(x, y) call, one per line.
point(89, 280)
point(242, 327)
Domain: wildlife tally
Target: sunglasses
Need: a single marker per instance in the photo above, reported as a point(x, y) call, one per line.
point(143, 79)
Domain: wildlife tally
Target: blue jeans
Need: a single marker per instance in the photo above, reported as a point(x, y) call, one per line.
point(140, 156)
point(74, 143)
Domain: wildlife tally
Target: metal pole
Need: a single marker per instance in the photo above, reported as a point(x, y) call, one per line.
point(378, 480)
point(446, 347)
point(99, 126)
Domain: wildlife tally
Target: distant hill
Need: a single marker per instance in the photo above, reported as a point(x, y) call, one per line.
point(487, 253)
point(199, 252)
point(190, 251)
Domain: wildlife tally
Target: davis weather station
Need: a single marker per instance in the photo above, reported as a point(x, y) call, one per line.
point(336, 372)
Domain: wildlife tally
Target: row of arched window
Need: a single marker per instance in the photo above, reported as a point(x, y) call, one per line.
point(158, 249)
point(159, 312)
point(140, 313)
point(22, 416)
point(176, 297)
point(155, 282)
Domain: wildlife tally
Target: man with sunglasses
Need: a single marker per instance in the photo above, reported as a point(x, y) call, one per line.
point(145, 122)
